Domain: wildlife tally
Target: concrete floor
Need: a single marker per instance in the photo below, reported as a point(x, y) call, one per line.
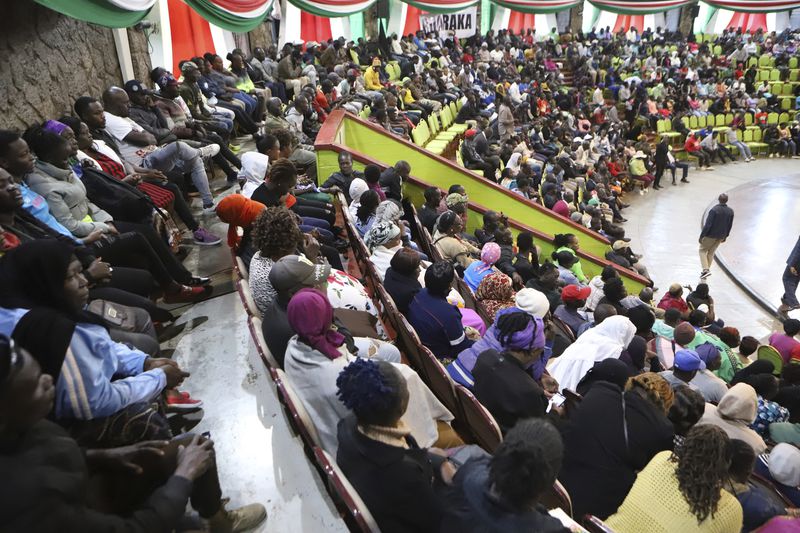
point(260, 460)
point(665, 226)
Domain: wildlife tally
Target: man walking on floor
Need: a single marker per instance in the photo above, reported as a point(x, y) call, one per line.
point(791, 277)
point(715, 231)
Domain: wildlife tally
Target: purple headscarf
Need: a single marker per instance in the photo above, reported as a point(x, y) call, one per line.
point(530, 338)
point(54, 126)
point(310, 315)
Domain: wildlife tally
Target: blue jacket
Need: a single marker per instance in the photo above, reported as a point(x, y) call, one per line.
point(718, 222)
point(85, 389)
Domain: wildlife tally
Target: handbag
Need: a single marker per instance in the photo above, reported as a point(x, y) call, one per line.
point(166, 227)
point(120, 200)
point(114, 315)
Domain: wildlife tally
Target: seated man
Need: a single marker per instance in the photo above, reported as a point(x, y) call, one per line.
point(574, 298)
point(436, 321)
point(674, 300)
point(344, 177)
point(139, 147)
point(159, 478)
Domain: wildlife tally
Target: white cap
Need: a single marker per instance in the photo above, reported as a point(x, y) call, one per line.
point(533, 302)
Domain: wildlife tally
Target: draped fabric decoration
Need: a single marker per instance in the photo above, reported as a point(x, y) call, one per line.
point(537, 6)
point(641, 7)
point(412, 20)
point(332, 8)
point(109, 13)
point(626, 22)
point(190, 34)
point(751, 22)
point(441, 6)
point(232, 15)
point(314, 28)
point(302, 26)
point(755, 6)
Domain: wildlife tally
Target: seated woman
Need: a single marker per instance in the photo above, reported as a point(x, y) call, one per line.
point(564, 263)
point(128, 244)
point(780, 466)
point(383, 240)
point(567, 242)
point(400, 482)
point(316, 356)
point(365, 214)
point(106, 391)
point(503, 383)
point(478, 270)
point(769, 411)
point(402, 277)
point(153, 183)
point(502, 493)
point(687, 486)
point(612, 435)
point(276, 234)
point(448, 240)
point(159, 478)
point(495, 293)
point(461, 369)
point(357, 188)
point(604, 341)
point(758, 504)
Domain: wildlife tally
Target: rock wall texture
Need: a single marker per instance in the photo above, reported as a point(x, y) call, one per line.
point(140, 56)
point(48, 61)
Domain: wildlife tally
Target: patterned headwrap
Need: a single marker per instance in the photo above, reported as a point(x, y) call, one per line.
point(490, 253)
point(380, 233)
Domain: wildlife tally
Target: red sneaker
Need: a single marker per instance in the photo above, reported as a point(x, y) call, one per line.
point(182, 402)
point(186, 294)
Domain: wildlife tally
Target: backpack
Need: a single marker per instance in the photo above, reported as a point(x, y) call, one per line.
point(120, 200)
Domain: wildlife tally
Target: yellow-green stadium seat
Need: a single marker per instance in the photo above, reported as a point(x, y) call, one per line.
point(794, 75)
point(786, 104)
point(772, 118)
point(693, 123)
point(793, 62)
point(784, 117)
point(752, 62)
point(776, 88)
point(774, 75)
point(764, 61)
point(458, 128)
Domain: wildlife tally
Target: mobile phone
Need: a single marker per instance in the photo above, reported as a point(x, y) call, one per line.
point(556, 400)
point(206, 434)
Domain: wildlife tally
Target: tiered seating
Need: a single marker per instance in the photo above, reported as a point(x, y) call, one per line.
point(472, 421)
point(439, 133)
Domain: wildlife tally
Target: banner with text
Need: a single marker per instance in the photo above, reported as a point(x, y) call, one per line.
point(463, 23)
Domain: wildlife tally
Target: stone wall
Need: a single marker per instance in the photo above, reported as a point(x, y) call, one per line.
point(48, 61)
point(140, 56)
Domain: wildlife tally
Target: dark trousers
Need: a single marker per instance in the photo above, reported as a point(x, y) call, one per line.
point(486, 168)
point(112, 294)
point(121, 492)
point(790, 282)
point(244, 120)
point(175, 268)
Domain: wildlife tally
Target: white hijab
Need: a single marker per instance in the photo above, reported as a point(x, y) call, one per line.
point(254, 170)
point(604, 341)
point(357, 188)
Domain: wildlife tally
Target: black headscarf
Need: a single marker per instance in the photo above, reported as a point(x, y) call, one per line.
point(634, 355)
point(759, 366)
point(32, 276)
point(46, 334)
point(610, 370)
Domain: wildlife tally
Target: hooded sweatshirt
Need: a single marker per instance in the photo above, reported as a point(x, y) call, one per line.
point(735, 412)
point(253, 171)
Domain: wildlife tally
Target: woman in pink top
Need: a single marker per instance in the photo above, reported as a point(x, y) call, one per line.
point(785, 342)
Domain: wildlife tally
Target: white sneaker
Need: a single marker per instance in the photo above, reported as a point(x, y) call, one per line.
point(771, 156)
point(207, 210)
point(641, 192)
point(710, 168)
point(209, 150)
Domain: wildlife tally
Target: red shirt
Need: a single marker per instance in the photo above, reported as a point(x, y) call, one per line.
point(671, 302)
point(692, 144)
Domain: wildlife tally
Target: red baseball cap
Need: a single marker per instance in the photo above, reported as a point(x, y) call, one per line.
point(573, 292)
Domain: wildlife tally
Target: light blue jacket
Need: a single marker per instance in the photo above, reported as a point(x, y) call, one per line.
point(85, 389)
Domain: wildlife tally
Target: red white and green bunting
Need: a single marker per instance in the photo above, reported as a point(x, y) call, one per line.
point(538, 6)
point(110, 13)
point(441, 6)
point(639, 7)
point(233, 15)
point(332, 8)
point(755, 6)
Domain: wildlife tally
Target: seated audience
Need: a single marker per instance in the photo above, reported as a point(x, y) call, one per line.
point(735, 413)
point(495, 293)
point(687, 484)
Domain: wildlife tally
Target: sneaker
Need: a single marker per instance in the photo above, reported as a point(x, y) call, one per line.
point(209, 209)
point(182, 402)
point(186, 294)
point(771, 156)
point(203, 237)
point(641, 192)
point(209, 150)
point(240, 519)
point(783, 311)
point(710, 168)
point(235, 148)
point(198, 282)
point(705, 273)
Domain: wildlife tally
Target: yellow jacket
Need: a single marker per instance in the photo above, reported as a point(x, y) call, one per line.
point(655, 505)
point(372, 80)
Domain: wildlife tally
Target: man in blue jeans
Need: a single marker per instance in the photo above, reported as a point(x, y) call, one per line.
point(791, 278)
point(138, 147)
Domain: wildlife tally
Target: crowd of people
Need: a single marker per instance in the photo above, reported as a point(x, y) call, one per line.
point(676, 421)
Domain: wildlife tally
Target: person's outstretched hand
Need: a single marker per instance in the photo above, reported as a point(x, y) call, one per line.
point(125, 458)
point(195, 459)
